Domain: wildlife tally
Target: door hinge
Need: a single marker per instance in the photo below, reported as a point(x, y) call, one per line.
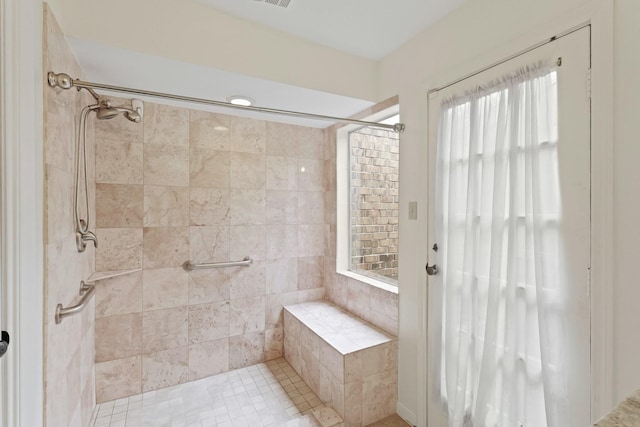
point(589, 282)
point(589, 83)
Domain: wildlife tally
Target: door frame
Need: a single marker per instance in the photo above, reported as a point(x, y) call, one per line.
point(22, 212)
point(600, 15)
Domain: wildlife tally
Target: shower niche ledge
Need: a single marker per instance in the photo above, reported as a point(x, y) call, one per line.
point(102, 275)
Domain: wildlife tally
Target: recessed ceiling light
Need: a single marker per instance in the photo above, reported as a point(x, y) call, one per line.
point(220, 128)
point(240, 100)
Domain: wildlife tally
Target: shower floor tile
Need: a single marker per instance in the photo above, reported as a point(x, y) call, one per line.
point(267, 394)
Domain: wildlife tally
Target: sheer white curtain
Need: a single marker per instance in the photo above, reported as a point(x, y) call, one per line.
point(498, 207)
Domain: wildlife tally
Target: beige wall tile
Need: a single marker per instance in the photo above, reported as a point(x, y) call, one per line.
point(119, 249)
point(310, 368)
point(378, 359)
point(209, 206)
point(59, 148)
point(208, 244)
point(209, 130)
point(119, 295)
point(248, 281)
point(209, 286)
point(281, 241)
point(209, 358)
point(332, 360)
point(118, 162)
point(165, 288)
point(165, 247)
point(311, 295)
point(358, 301)
point(379, 396)
point(166, 206)
point(165, 368)
point(353, 367)
point(274, 308)
point(273, 343)
point(118, 336)
point(208, 322)
point(310, 273)
point(337, 398)
point(310, 341)
point(282, 139)
point(247, 207)
point(58, 204)
point(166, 125)
point(311, 240)
point(247, 240)
point(164, 329)
point(166, 165)
point(248, 135)
point(311, 143)
point(353, 400)
point(118, 378)
point(281, 173)
point(282, 275)
point(246, 315)
point(281, 207)
point(311, 209)
point(209, 168)
point(246, 350)
point(311, 175)
point(247, 170)
point(118, 206)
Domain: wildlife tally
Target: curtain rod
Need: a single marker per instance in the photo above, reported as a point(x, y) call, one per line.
point(64, 81)
point(509, 58)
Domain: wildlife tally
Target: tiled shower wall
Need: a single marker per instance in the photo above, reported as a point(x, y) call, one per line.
point(69, 346)
point(375, 305)
point(205, 187)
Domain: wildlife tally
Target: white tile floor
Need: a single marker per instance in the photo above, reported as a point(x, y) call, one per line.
point(268, 394)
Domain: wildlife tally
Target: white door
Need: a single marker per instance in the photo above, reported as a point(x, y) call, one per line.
point(571, 226)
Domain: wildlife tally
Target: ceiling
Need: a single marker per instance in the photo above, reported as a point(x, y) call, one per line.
point(367, 28)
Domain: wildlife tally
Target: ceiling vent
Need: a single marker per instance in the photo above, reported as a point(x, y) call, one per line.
point(281, 3)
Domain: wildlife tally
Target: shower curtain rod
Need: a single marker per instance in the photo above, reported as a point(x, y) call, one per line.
point(64, 81)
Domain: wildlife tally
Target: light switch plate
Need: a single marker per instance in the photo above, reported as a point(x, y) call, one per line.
point(413, 210)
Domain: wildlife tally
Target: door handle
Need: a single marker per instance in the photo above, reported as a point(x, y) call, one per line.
point(432, 270)
point(4, 343)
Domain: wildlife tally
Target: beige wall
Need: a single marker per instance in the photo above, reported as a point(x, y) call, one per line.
point(184, 30)
point(69, 349)
point(176, 189)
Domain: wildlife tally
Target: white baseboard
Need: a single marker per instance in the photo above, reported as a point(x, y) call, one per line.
point(406, 414)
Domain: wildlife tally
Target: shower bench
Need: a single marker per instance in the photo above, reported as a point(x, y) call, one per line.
point(350, 364)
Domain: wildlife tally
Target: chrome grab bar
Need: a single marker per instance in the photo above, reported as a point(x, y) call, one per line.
point(246, 262)
point(86, 291)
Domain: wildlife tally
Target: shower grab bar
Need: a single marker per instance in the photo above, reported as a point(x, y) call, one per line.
point(246, 262)
point(86, 292)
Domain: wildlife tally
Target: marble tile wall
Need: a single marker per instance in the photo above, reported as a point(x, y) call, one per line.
point(375, 305)
point(69, 346)
point(205, 187)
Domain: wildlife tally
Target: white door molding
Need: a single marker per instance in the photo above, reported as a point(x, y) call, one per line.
point(21, 205)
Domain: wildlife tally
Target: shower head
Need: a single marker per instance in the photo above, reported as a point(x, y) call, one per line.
point(105, 112)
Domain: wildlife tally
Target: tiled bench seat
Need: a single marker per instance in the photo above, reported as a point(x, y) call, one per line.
point(350, 364)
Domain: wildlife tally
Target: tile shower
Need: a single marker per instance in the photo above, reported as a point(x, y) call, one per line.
point(183, 185)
